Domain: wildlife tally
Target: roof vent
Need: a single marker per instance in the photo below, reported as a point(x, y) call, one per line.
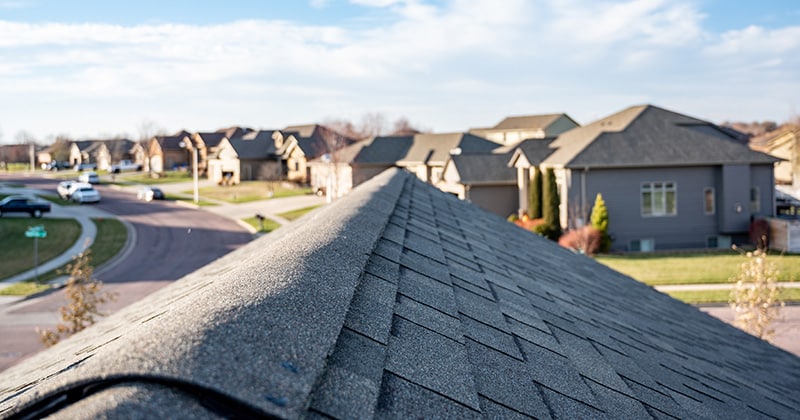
point(455, 152)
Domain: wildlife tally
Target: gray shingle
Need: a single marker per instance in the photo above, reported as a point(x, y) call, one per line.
point(399, 301)
point(432, 361)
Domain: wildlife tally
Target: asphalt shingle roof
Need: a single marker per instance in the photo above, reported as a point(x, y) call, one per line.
point(402, 301)
point(435, 149)
point(484, 168)
point(647, 135)
point(254, 145)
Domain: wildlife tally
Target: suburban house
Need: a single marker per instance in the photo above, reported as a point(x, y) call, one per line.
point(104, 153)
point(401, 301)
point(169, 152)
point(483, 179)
point(307, 142)
point(429, 152)
point(332, 173)
point(422, 154)
point(784, 144)
point(207, 144)
point(513, 130)
point(669, 180)
point(253, 155)
point(21, 153)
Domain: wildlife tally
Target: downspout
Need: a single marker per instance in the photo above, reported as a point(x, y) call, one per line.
point(584, 199)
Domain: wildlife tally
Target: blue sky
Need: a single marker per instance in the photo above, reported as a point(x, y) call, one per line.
point(100, 68)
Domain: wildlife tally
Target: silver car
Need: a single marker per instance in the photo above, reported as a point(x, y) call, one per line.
point(85, 194)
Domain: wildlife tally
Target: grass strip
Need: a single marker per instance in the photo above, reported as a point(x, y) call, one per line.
point(693, 268)
point(722, 296)
point(268, 225)
point(296, 214)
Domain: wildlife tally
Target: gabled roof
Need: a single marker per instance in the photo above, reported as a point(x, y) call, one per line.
point(255, 145)
point(527, 121)
point(316, 140)
point(302, 130)
point(173, 142)
point(213, 139)
point(234, 131)
point(344, 155)
point(647, 135)
point(384, 150)
point(435, 149)
point(484, 168)
point(402, 301)
point(534, 151)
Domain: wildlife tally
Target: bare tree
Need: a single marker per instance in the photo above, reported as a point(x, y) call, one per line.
point(84, 296)
point(755, 299)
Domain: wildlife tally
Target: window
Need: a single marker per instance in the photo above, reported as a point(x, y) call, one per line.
point(642, 245)
point(708, 200)
point(659, 199)
point(755, 200)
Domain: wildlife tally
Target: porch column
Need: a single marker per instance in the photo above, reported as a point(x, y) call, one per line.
point(523, 183)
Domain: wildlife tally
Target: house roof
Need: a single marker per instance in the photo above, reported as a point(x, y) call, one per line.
point(400, 300)
point(254, 145)
point(234, 131)
point(647, 135)
point(213, 139)
point(173, 142)
point(384, 150)
point(527, 121)
point(435, 149)
point(484, 168)
point(346, 154)
point(302, 130)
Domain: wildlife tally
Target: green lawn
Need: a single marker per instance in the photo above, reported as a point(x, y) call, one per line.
point(269, 224)
point(722, 296)
point(16, 250)
point(111, 237)
point(696, 268)
point(251, 191)
point(144, 178)
point(296, 214)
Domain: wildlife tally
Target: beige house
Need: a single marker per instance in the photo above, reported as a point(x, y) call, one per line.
point(169, 152)
point(513, 130)
point(332, 174)
point(784, 144)
point(256, 155)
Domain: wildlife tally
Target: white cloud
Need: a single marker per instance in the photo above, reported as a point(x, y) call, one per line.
point(652, 22)
point(758, 41)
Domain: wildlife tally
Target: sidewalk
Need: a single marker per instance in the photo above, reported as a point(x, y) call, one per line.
point(715, 286)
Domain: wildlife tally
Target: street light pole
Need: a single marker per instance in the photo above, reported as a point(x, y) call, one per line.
point(196, 181)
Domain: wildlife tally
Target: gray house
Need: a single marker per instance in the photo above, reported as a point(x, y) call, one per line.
point(401, 301)
point(483, 179)
point(669, 180)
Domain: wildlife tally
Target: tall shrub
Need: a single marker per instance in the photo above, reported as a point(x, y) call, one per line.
point(599, 221)
point(551, 228)
point(535, 205)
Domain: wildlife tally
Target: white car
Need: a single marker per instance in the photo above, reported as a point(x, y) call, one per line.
point(85, 193)
point(63, 189)
point(89, 178)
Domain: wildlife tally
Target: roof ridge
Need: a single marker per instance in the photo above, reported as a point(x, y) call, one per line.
point(255, 301)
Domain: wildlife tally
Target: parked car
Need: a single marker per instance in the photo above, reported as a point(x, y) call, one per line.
point(85, 166)
point(89, 178)
point(55, 166)
point(22, 204)
point(150, 194)
point(63, 189)
point(124, 166)
point(85, 194)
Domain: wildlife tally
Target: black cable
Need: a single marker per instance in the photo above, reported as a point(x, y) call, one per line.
point(219, 403)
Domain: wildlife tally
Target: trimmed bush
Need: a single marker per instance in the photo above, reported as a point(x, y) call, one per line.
point(599, 221)
point(585, 240)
